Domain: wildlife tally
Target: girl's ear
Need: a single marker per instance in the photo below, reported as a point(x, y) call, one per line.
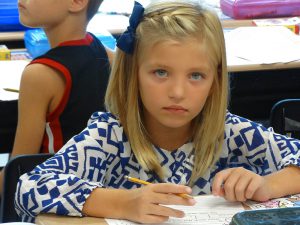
point(78, 5)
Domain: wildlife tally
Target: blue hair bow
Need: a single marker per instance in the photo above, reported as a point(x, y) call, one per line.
point(127, 40)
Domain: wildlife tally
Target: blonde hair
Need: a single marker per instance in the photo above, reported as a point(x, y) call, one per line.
point(172, 21)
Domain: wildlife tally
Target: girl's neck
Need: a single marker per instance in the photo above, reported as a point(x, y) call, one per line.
point(169, 138)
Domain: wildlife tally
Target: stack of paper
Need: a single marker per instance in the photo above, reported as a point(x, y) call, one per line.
point(209, 210)
point(262, 45)
point(10, 77)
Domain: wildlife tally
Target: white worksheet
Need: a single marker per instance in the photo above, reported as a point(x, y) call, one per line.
point(209, 210)
point(262, 45)
point(10, 77)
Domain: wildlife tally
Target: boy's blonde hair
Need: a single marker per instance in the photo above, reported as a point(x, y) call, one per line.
point(92, 8)
point(172, 21)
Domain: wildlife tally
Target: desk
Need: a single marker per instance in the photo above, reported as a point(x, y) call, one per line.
point(51, 219)
point(261, 48)
point(208, 208)
point(236, 64)
point(242, 65)
point(12, 36)
point(231, 23)
point(118, 28)
point(117, 24)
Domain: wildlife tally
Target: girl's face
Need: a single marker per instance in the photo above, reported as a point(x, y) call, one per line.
point(42, 13)
point(175, 79)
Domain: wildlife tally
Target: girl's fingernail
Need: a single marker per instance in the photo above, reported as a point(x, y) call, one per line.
point(188, 189)
point(192, 201)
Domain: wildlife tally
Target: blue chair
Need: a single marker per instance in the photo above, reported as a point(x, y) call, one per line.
point(13, 170)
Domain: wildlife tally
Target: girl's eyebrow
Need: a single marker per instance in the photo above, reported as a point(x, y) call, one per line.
point(202, 69)
point(197, 68)
point(157, 65)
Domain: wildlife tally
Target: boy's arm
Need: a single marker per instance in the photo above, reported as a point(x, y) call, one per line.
point(41, 89)
point(32, 108)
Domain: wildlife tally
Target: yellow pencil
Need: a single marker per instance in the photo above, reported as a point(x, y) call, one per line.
point(138, 181)
point(11, 90)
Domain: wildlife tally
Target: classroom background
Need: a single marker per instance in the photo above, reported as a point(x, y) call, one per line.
point(263, 60)
point(263, 63)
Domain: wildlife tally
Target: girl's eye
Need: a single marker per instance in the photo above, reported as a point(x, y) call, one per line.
point(161, 73)
point(196, 76)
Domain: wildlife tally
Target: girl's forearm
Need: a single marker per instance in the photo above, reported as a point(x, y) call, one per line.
point(284, 182)
point(105, 202)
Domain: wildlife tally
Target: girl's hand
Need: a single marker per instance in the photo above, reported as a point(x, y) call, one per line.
point(239, 184)
point(149, 203)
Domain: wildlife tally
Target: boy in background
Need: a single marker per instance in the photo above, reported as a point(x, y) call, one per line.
point(62, 88)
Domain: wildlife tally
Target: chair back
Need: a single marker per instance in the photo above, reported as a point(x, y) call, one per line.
point(285, 117)
point(13, 170)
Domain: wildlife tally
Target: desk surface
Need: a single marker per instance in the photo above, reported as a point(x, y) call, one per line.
point(207, 208)
point(51, 219)
point(237, 23)
point(262, 48)
point(241, 65)
point(119, 23)
point(12, 36)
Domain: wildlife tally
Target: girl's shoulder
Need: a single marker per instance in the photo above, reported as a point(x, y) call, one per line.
point(104, 118)
point(234, 119)
point(105, 125)
point(235, 122)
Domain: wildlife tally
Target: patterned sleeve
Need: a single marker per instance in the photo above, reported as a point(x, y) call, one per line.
point(62, 184)
point(254, 147)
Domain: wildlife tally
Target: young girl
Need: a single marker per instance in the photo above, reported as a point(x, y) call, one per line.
point(168, 125)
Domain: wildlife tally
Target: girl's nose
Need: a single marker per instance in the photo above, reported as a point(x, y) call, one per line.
point(177, 89)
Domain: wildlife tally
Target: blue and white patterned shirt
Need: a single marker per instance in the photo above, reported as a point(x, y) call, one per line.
point(100, 156)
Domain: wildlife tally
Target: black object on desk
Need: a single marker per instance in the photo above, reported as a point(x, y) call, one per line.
point(278, 216)
point(8, 124)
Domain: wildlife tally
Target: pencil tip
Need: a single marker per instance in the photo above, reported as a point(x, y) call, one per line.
point(126, 177)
